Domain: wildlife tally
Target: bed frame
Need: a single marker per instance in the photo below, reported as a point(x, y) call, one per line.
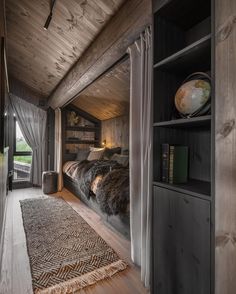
point(120, 222)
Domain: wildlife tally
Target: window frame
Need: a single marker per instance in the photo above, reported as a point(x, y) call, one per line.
point(15, 152)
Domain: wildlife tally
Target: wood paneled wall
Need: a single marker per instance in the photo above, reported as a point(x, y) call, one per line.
point(225, 157)
point(116, 131)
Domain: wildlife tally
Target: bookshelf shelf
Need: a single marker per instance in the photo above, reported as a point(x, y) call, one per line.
point(196, 53)
point(82, 129)
point(77, 141)
point(185, 122)
point(196, 188)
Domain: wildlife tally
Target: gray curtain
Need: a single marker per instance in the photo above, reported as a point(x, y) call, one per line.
point(32, 121)
point(58, 148)
point(141, 152)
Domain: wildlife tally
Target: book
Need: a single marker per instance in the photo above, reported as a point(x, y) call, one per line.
point(165, 162)
point(178, 164)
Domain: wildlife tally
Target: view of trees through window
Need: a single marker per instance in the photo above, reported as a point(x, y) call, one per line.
point(22, 156)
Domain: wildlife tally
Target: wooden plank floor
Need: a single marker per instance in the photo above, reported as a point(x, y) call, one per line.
point(16, 276)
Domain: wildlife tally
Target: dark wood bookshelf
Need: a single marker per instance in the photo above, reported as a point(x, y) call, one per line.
point(185, 122)
point(182, 45)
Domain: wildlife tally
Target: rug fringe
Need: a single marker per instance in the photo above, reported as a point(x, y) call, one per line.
point(75, 284)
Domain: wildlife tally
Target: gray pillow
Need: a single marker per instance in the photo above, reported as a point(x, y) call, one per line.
point(121, 159)
point(82, 154)
point(109, 152)
point(125, 151)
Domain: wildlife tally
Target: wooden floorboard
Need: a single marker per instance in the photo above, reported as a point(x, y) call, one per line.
point(16, 276)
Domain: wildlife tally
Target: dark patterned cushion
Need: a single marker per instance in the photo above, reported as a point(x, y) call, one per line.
point(125, 151)
point(109, 152)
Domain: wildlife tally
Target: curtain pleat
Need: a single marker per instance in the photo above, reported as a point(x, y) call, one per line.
point(141, 152)
point(32, 122)
point(58, 148)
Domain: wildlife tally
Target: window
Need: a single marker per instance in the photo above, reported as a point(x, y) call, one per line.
point(22, 155)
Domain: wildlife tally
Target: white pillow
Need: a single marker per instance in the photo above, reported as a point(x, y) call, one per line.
point(95, 155)
point(96, 148)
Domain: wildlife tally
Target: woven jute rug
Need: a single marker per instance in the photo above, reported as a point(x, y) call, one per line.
point(65, 253)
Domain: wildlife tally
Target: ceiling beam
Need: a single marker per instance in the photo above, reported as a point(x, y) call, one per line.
point(109, 46)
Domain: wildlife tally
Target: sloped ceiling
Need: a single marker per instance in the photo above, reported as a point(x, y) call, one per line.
point(41, 58)
point(108, 96)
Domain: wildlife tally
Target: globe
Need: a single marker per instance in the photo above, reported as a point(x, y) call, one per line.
point(192, 95)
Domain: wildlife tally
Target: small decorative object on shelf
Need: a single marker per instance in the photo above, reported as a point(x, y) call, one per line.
point(73, 119)
point(193, 97)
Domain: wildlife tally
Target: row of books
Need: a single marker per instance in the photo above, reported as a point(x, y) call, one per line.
point(174, 164)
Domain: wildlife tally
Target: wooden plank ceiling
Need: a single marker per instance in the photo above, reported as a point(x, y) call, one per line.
point(41, 58)
point(109, 95)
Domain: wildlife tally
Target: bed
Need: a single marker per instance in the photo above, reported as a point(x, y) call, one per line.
point(102, 184)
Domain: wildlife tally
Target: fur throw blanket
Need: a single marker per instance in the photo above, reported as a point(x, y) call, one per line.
point(87, 171)
point(113, 192)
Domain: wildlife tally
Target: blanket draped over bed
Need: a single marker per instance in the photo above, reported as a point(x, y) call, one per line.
point(106, 180)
